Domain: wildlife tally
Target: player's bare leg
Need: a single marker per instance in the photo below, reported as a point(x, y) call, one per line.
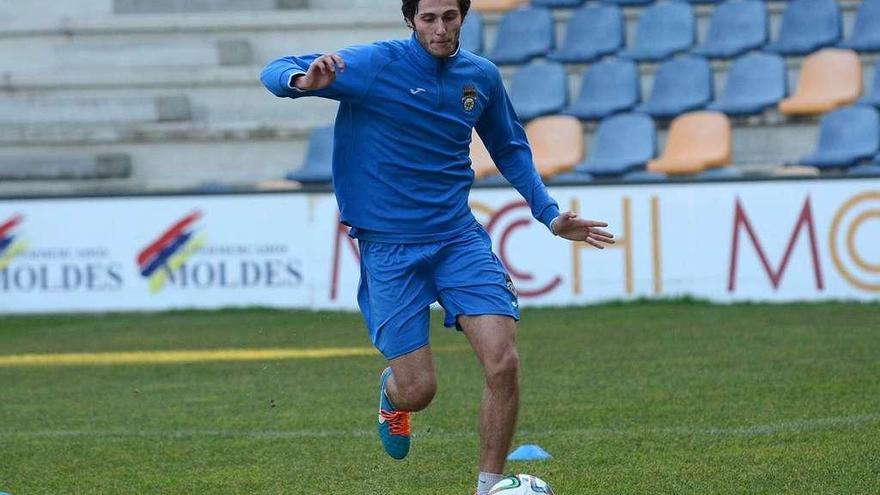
point(408, 385)
point(413, 382)
point(494, 341)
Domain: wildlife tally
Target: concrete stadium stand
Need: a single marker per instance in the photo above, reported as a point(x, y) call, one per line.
point(93, 59)
point(170, 155)
point(93, 110)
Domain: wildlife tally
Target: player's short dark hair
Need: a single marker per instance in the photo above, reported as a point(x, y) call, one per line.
point(410, 7)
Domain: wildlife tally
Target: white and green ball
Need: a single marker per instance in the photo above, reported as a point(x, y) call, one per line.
point(521, 484)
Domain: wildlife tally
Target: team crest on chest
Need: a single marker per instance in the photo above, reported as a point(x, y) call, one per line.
point(469, 97)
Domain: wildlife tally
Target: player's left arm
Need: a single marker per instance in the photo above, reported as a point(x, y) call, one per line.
point(505, 139)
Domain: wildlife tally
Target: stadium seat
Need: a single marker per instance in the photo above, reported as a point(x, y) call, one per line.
point(481, 161)
point(607, 88)
point(663, 30)
point(846, 137)
point(754, 82)
point(472, 33)
point(523, 34)
point(493, 180)
point(807, 25)
point(628, 2)
point(496, 5)
point(318, 167)
point(573, 177)
point(558, 3)
point(557, 144)
point(623, 143)
point(720, 173)
point(869, 170)
point(592, 32)
point(697, 141)
point(680, 85)
point(873, 98)
point(830, 78)
point(537, 89)
point(736, 27)
point(795, 171)
point(644, 176)
point(865, 36)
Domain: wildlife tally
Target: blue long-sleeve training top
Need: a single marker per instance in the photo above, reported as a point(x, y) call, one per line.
point(401, 165)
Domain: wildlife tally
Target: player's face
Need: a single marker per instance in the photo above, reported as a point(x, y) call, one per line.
point(438, 25)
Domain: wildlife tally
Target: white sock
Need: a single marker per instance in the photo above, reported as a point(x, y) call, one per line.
point(486, 481)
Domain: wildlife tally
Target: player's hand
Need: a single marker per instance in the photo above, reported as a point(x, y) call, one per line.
point(321, 73)
point(569, 226)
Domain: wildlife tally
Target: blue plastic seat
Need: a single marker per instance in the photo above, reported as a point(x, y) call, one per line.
point(592, 32)
point(573, 177)
point(318, 167)
point(807, 25)
point(846, 136)
point(736, 27)
point(540, 88)
point(645, 176)
point(623, 143)
point(493, 180)
point(873, 96)
point(717, 173)
point(472, 33)
point(754, 82)
point(523, 34)
point(680, 85)
point(865, 36)
point(664, 29)
point(628, 2)
point(558, 3)
point(607, 88)
point(869, 170)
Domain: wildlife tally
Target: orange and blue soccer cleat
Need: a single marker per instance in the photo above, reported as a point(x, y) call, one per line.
point(393, 425)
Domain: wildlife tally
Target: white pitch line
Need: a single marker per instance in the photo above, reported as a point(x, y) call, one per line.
point(794, 426)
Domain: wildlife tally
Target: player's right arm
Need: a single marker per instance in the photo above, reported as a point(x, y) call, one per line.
point(343, 75)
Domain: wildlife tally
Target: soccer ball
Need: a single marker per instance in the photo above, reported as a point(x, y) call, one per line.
point(521, 484)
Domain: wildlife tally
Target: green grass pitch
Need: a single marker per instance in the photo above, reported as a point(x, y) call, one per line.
point(643, 398)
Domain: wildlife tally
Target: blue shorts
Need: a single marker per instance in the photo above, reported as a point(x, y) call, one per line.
point(400, 281)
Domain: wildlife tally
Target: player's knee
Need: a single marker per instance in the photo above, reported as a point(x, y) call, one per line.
point(503, 370)
point(418, 391)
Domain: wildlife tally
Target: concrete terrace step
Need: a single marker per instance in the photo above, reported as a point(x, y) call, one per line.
point(55, 134)
point(17, 10)
point(53, 55)
point(94, 110)
point(177, 6)
point(172, 155)
point(64, 167)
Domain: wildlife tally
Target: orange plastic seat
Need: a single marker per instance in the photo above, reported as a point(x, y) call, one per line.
point(830, 78)
point(481, 161)
point(697, 141)
point(557, 144)
point(496, 5)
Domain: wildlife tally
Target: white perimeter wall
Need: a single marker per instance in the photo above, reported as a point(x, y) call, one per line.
point(761, 241)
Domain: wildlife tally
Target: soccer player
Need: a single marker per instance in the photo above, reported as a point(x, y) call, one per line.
point(401, 174)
